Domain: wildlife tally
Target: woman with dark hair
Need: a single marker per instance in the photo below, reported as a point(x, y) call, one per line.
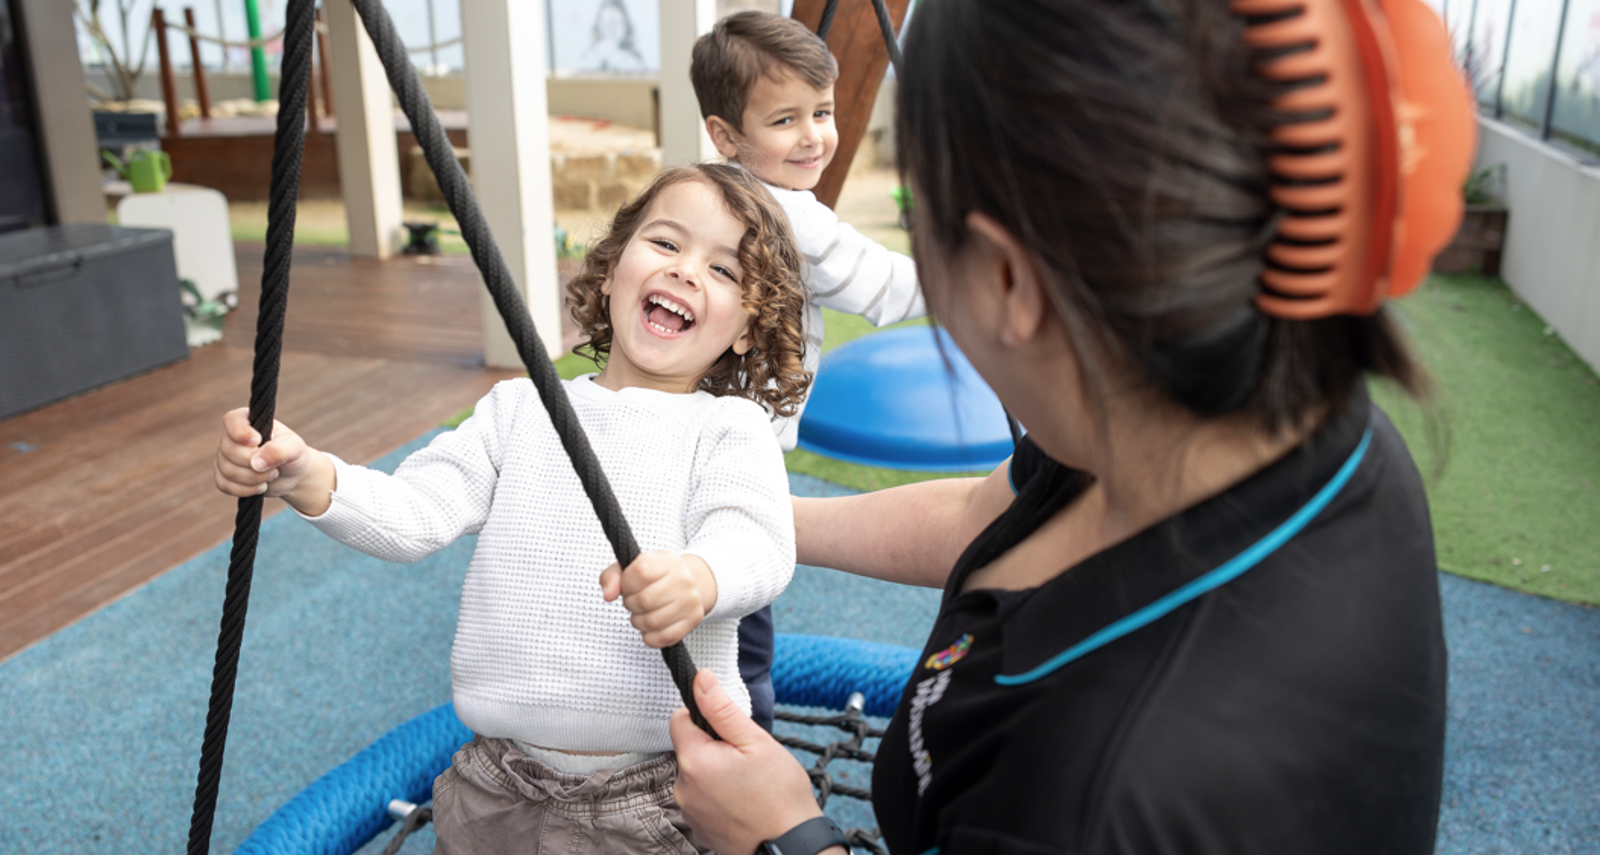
point(1198, 610)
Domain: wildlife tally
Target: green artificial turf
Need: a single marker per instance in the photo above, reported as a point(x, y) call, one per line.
point(1510, 447)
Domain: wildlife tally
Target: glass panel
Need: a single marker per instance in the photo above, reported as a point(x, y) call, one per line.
point(1576, 116)
point(1457, 19)
point(1484, 59)
point(1439, 6)
point(21, 193)
point(1533, 47)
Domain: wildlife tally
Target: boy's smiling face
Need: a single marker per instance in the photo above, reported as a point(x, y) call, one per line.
point(677, 304)
point(788, 135)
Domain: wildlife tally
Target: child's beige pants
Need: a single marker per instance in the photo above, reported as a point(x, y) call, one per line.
point(494, 799)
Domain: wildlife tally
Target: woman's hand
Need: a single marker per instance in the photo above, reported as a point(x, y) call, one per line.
point(742, 790)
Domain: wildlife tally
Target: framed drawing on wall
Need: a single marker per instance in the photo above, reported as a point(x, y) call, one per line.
point(605, 37)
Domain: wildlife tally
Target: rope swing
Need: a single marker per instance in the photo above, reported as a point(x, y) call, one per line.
point(288, 148)
point(288, 151)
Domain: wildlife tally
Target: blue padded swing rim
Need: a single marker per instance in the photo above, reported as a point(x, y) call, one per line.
point(346, 808)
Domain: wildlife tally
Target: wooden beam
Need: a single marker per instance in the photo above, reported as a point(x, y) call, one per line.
point(202, 92)
point(169, 84)
point(322, 68)
point(857, 43)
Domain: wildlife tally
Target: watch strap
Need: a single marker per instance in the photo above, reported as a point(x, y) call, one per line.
point(807, 838)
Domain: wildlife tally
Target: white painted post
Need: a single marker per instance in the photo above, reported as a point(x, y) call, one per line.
point(683, 132)
point(369, 163)
point(508, 130)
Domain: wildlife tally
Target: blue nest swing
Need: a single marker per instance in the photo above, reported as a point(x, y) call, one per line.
point(905, 399)
point(346, 808)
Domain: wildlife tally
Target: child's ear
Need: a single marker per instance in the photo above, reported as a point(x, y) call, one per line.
point(605, 285)
point(746, 339)
point(723, 136)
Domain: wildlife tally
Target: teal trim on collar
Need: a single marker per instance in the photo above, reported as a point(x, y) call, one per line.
point(1230, 570)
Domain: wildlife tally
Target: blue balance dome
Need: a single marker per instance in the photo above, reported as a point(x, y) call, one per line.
point(893, 400)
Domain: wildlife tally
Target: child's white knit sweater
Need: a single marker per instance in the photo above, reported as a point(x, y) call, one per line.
point(539, 656)
point(845, 271)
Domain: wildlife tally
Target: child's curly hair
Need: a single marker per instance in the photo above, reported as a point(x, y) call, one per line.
point(772, 372)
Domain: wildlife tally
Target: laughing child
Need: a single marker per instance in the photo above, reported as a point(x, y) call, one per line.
point(694, 301)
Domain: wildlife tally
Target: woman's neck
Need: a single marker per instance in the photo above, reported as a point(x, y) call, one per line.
point(1150, 463)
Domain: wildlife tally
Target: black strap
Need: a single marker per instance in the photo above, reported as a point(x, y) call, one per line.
point(807, 838)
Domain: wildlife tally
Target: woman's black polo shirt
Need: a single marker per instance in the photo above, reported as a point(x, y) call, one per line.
point(1297, 709)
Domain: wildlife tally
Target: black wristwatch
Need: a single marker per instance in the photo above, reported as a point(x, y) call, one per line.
point(807, 838)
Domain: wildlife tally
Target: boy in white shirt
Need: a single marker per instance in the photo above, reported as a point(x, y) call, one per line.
point(765, 86)
point(694, 301)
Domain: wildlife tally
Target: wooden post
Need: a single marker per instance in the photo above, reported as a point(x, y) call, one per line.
point(322, 62)
point(683, 132)
point(202, 93)
point(311, 98)
point(369, 161)
point(508, 125)
point(169, 84)
point(857, 43)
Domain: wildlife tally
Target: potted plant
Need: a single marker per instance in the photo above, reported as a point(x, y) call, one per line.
point(1477, 245)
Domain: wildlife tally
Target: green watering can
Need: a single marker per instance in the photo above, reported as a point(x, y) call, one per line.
point(146, 170)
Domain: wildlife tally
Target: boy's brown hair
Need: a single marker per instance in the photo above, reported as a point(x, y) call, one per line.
point(747, 46)
point(772, 372)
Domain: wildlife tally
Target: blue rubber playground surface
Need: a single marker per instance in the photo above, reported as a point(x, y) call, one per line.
point(103, 721)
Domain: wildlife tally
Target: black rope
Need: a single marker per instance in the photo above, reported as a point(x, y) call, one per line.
point(827, 19)
point(889, 39)
point(286, 160)
point(884, 24)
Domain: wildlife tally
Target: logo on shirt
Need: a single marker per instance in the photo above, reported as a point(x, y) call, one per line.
point(929, 692)
point(950, 655)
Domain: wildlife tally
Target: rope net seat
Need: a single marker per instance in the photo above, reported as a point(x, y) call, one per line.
point(348, 807)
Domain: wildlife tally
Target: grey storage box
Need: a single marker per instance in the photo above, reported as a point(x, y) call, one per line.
point(81, 306)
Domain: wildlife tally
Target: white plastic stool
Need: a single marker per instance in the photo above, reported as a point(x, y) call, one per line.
point(202, 238)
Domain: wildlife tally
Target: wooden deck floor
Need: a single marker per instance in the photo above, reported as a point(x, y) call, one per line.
point(104, 491)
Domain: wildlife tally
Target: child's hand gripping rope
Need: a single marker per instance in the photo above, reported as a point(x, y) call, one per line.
point(668, 594)
point(284, 468)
